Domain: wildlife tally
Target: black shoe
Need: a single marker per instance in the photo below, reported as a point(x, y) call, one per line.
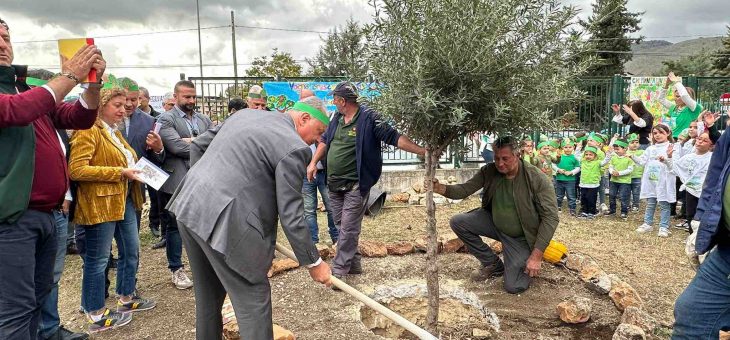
point(71, 249)
point(624, 216)
point(65, 334)
point(355, 268)
point(487, 272)
point(160, 244)
point(113, 263)
point(155, 230)
point(611, 214)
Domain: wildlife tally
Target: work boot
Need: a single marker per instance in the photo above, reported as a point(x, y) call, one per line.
point(487, 272)
point(355, 268)
point(161, 244)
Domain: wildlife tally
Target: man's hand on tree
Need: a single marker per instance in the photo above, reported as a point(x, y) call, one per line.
point(437, 187)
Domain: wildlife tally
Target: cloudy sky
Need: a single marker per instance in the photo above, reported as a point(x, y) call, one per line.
point(122, 30)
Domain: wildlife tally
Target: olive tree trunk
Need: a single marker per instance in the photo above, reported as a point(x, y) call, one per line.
point(432, 271)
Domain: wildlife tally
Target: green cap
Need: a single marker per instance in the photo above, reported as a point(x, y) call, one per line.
point(567, 142)
point(120, 83)
point(581, 138)
point(543, 144)
point(527, 138)
point(554, 143)
point(256, 92)
point(632, 137)
point(317, 114)
point(591, 149)
point(598, 138)
point(621, 143)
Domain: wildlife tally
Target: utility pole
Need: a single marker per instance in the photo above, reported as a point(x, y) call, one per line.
point(235, 60)
point(200, 55)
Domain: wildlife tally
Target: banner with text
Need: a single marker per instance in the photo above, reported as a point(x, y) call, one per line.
point(282, 95)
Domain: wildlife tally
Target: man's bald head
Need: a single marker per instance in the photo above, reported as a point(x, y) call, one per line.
point(306, 93)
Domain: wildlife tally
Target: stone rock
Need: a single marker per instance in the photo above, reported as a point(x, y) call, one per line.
point(282, 334)
point(479, 333)
point(575, 310)
point(724, 335)
point(230, 331)
point(414, 199)
point(418, 187)
point(373, 249)
point(281, 265)
point(615, 279)
point(576, 262)
point(628, 332)
point(325, 251)
point(496, 246)
point(438, 199)
point(452, 244)
point(400, 248)
point(421, 244)
point(637, 317)
point(596, 279)
point(400, 197)
point(623, 295)
point(451, 180)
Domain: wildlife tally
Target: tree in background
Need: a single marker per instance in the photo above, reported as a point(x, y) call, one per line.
point(342, 53)
point(721, 61)
point(700, 64)
point(281, 64)
point(455, 67)
point(608, 28)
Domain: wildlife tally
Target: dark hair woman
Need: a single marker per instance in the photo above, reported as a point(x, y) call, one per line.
point(639, 119)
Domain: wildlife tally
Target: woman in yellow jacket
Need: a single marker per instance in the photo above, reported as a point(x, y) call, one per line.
point(107, 197)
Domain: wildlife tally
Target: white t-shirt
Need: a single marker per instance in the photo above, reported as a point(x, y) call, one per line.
point(691, 170)
point(658, 180)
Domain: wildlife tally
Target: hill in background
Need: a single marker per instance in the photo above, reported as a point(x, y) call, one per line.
point(660, 50)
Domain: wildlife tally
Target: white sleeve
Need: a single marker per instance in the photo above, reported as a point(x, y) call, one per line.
point(640, 160)
point(686, 98)
point(640, 123)
point(628, 170)
point(618, 119)
point(663, 98)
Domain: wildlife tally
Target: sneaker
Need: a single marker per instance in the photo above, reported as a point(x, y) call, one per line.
point(181, 280)
point(161, 244)
point(635, 209)
point(155, 230)
point(663, 233)
point(487, 272)
point(108, 320)
point(572, 213)
point(65, 334)
point(610, 214)
point(72, 249)
point(583, 216)
point(604, 208)
point(137, 304)
point(624, 216)
point(560, 210)
point(644, 228)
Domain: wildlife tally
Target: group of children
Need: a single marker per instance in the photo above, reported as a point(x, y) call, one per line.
point(584, 165)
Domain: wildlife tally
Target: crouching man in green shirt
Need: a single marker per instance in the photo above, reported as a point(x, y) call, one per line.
point(518, 209)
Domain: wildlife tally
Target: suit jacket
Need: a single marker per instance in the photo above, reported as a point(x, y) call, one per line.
point(250, 176)
point(96, 164)
point(177, 158)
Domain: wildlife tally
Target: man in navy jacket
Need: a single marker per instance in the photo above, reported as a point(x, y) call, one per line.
point(352, 151)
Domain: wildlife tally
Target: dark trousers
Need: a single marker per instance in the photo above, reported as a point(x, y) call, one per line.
point(588, 200)
point(154, 214)
point(213, 279)
point(27, 257)
point(635, 191)
point(470, 226)
point(690, 201)
point(173, 248)
point(680, 198)
point(566, 189)
point(621, 191)
point(348, 209)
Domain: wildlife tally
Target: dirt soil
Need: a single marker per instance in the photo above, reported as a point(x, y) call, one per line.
point(655, 267)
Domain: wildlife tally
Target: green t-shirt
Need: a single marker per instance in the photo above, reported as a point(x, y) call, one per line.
point(682, 119)
point(590, 172)
point(621, 164)
point(341, 159)
point(567, 163)
point(638, 169)
point(504, 211)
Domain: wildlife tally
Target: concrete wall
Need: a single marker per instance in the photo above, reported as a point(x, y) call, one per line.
point(395, 181)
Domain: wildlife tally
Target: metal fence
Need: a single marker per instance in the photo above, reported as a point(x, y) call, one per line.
point(592, 113)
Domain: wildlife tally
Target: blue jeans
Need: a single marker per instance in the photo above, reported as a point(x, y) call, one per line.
point(635, 191)
point(651, 204)
point(702, 310)
point(98, 240)
point(621, 191)
point(566, 188)
point(50, 321)
point(602, 189)
point(309, 193)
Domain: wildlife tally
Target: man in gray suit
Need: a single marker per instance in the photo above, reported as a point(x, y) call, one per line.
point(248, 178)
point(179, 127)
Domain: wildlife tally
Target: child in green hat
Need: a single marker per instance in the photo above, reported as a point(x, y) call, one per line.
point(635, 150)
point(620, 167)
point(568, 168)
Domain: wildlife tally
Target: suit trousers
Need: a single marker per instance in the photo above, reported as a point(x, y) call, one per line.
point(173, 245)
point(470, 226)
point(213, 279)
point(348, 209)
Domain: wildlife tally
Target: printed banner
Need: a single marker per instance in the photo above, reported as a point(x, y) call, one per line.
point(647, 90)
point(156, 103)
point(283, 95)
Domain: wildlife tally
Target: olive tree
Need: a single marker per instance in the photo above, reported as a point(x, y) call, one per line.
point(455, 67)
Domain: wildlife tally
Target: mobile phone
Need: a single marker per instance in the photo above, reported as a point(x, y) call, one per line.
point(156, 127)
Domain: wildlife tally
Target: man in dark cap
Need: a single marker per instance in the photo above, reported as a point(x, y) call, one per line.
point(236, 104)
point(352, 149)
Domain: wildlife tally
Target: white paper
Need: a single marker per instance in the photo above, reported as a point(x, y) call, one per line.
point(151, 174)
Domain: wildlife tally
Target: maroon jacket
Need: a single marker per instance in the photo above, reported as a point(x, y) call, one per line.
point(37, 107)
